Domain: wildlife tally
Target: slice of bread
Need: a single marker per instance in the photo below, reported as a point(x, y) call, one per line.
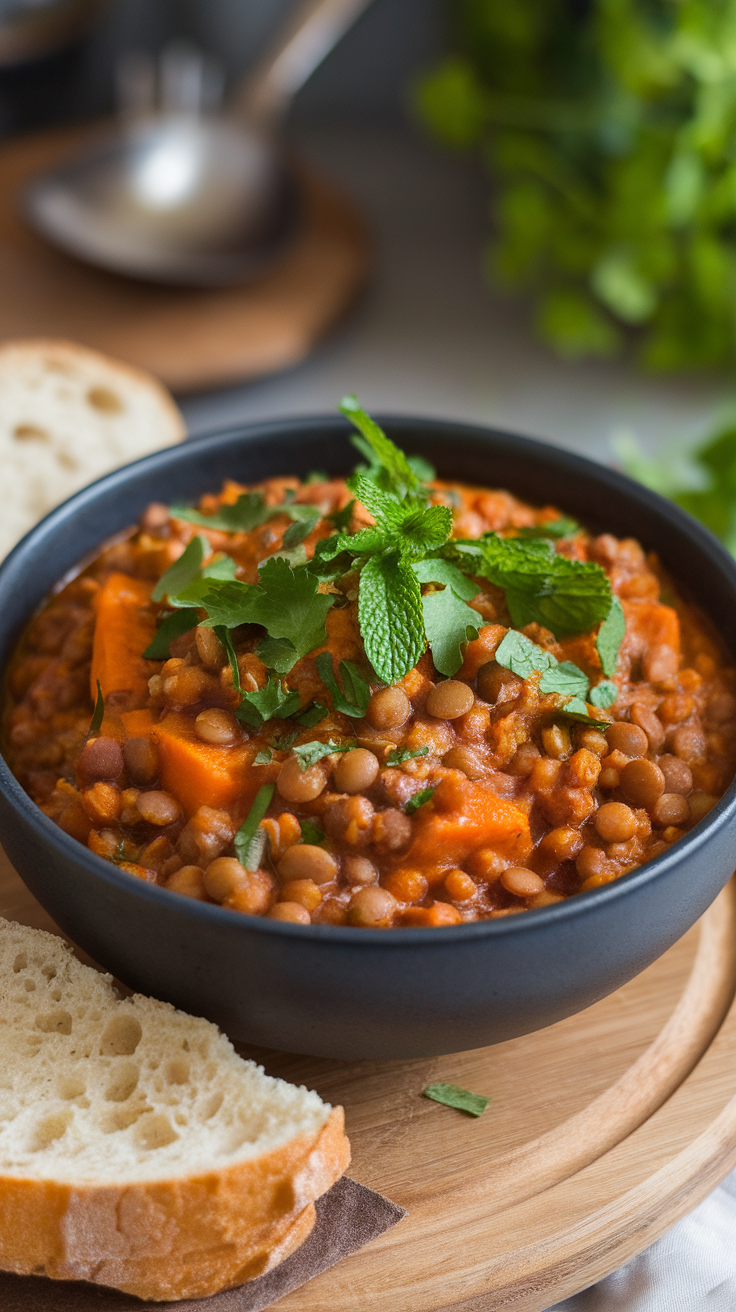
point(68, 415)
point(137, 1149)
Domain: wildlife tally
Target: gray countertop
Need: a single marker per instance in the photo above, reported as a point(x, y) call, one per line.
point(430, 336)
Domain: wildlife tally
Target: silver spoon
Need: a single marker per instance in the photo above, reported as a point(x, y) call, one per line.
point(187, 195)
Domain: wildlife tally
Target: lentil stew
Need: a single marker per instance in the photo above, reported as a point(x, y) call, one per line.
point(388, 701)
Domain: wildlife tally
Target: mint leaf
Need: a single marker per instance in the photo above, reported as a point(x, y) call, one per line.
point(387, 509)
point(312, 714)
point(388, 465)
point(247, 830)
point(519, 654)
point(248, 512)
point(268, 703)
point(604, 694)
point(263, 757)
point(401, 754)
point(437, 570)
point(366, 542)
point(565, 679)
point(610, 636)
point(354, 700)
point(425, 530)
point(311, 832)
point(418, 800)
point(187, 569)
point(451, 1095)
point(448, 624)
point(307, 519)
point(390, 616)
point(180, 621)
point(308, 754)
point(422, 468)
point(553, 528)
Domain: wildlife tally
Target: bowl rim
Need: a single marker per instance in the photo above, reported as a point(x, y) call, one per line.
point(576, 906)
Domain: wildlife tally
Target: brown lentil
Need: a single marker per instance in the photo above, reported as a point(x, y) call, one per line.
point(449, 700)
point(356, 771)
point(388, 708)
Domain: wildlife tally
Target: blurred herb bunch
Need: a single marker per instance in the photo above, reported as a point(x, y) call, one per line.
point(610, 129)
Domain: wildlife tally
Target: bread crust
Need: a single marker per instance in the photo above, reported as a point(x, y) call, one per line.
point(165, 1240)
point(75, 353)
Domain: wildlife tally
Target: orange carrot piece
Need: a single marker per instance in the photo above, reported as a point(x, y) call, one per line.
point(462, 817)
point(201, 774)
point(124, 627)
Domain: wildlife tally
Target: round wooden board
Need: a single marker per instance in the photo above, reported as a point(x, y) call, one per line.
point(602, 1132)
point(188, 338)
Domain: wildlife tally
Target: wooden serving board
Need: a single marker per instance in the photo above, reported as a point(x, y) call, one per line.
point(603, 1131)
point(188, 338)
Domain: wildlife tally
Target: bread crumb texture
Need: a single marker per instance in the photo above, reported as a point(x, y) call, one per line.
point(137, 1149)
point(68, 415)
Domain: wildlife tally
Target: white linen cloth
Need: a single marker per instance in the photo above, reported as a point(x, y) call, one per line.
point(690, 1269)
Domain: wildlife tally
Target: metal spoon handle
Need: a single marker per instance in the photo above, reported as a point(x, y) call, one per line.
point(308, 37)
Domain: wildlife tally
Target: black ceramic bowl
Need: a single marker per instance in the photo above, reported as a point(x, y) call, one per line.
point(342, 992)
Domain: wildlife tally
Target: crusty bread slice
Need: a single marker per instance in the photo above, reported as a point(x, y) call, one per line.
point(137, 1149)
point(67, 416)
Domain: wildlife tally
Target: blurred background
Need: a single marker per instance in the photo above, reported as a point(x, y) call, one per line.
point(486, 146)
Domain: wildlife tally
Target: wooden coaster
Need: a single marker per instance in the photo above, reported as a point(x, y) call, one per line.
point(602, 1132)
point(188, 338)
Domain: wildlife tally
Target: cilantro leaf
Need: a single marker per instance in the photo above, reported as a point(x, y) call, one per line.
point(389, 466)
point(448, 623)
point(263, 757)
point(354, 700)
point(566, 679)
point(312, 714)
point(519, 654)
point(248, 512)
point(268, 703)
point(187, 569)
point(451, 1095)
point(311, 832)
point(390, 616)
point(98, 713)
point(604, 694)
point(341, 518)
point(227, 602)
point(401, 754)
point(289, 605)
point(418, 800)
point(307, 519)
point(223, 634)
point(178, 622)
point(247, 831)
point(308, 754)
point(277, 654)
point(610, 636)
point(577, 710)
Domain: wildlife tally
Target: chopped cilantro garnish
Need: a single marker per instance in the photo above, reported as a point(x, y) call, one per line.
point(519, 654)
point(341, 518)
point(268, 703)
point(354, 700)
point(184, 571)
point(311, 832)
point(308, 754)
point(178, 622)
point(263, 757)
point(304, 522)
point(313, 713)
point(451, 1095)
point(610, 635)
point(418, 800)
point(247, 831)
point(604, 694)
point(552, 528)
point(223, 633)
point(98, 713)
point(401, 754)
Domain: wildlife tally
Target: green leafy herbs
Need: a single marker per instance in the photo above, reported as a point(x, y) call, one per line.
point(451, 1095)
point(272, 702)
point(308, 754)
point(184, 571)
point(419, 799)
point(98, 713)
point(552, 528)
point(523, 657)
point(608, 129)
point(244, 841)
point(313, 713)
point(541, 586)
point(178, 622)
point(311, 832)
point(610, 636)
point(388, 467)
point(401, 754)
point(352, 699)
point(263, 757)
point(603, 694)
point(448, 620)
point(390, 616)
